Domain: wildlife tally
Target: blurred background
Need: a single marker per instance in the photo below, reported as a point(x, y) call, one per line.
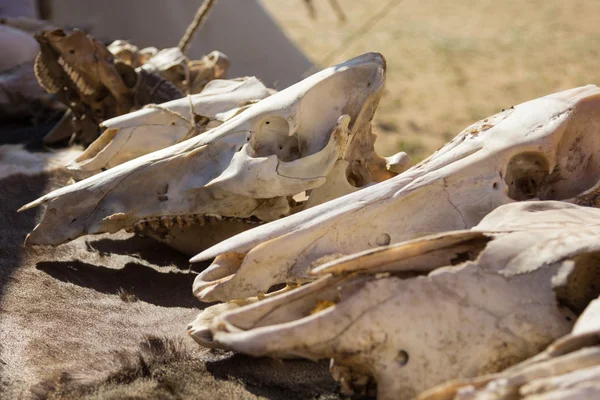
point(450, 63)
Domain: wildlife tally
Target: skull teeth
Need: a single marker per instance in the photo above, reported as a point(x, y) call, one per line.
point(43, 75)
point(158, 223)
point(76, 78)
point(167, 222)
point(181, 221)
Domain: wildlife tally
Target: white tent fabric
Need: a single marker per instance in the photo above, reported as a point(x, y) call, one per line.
point(242, 29)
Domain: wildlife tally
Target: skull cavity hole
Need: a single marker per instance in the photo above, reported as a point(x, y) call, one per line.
point(357, 175)
point(272, 136)
point(526, 173)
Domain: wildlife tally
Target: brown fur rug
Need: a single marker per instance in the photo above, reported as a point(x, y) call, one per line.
point(105, 316)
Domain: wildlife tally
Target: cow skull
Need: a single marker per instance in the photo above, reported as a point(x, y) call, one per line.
point(418, 313)
point(314, 136)
point(547, 148)
point(158, 126)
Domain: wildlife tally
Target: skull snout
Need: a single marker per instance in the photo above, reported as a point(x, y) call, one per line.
point(221, 270)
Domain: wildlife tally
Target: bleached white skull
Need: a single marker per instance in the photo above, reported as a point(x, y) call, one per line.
point(569, 369)
point(548, 148)
point(313, 136)
point(158, 126)
point(445, 306)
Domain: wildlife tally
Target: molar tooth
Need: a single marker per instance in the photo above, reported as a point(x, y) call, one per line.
point(88, 90)
point(167, 222)
point(140, 225)
point(199, 219)
point(181, 221)
point(154, 224)
point(213, 218)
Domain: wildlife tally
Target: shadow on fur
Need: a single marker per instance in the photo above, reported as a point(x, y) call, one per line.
point(143, 248)
point(288, 379)
point(165, 289)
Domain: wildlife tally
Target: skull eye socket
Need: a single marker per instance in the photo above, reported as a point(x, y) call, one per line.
point(526, 173)
point(272, 136)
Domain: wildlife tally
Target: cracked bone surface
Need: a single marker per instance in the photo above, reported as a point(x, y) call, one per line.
point(569, 369)
point(158, 126)
point(546, 148)
point(313, 136)
point(417, 313)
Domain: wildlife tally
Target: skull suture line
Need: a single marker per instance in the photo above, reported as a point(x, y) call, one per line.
point(546, 148)
point(415, 314)
point(156, 127)
point(314, 136)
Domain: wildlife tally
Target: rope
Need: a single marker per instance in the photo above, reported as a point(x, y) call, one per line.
point(200, 17)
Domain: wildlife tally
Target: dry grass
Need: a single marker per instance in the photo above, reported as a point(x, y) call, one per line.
point(451, 63)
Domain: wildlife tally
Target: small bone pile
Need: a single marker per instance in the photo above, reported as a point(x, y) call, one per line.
point(190, 76)
point(457, 268)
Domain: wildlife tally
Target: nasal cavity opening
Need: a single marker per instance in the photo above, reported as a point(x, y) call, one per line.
point(357, 174)
point(526, 175)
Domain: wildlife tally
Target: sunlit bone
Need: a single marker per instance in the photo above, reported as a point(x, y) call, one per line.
point(158, 126)
point(313, 136)
point(568, 369)
point(445, 306)
point(546, 148)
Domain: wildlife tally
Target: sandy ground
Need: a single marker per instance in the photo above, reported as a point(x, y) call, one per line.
point(451, 63)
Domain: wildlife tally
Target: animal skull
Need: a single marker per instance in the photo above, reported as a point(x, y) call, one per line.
point(155, 127)
point(546, 148)
point(418, 313)
point(91, 82)
point(567, 369)
point(309, 137)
